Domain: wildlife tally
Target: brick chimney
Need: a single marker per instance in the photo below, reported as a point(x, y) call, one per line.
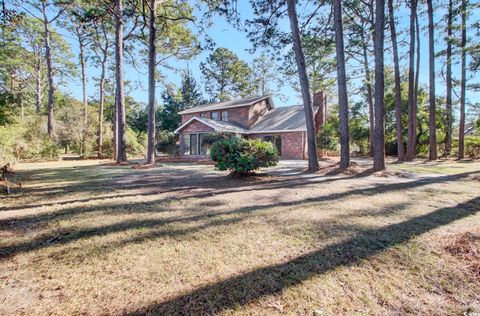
point(319, 110)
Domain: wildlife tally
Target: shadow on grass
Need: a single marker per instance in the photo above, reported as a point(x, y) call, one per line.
point(245, 288)
point(66, 237)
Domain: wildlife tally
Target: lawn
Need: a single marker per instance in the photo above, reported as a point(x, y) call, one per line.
point(89, 238)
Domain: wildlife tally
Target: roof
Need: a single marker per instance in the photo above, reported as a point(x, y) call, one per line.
point(228, 104)
point(288, 118)
point(219, 126)
point(282, 119)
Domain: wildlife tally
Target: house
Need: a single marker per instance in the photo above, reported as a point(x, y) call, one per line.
point(255, 117)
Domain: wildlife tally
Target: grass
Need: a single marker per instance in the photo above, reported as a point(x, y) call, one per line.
point(179, 239)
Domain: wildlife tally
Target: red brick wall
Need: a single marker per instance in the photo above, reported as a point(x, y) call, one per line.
point(194, 127)
point(256, 111)
point(293, 144)
point(237, 115)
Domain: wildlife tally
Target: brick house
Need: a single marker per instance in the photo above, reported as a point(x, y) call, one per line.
point(250, 118)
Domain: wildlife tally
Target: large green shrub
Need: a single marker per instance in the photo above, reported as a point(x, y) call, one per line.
point(242, 156)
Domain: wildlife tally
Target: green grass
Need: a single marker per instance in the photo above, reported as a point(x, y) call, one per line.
point(180, 239)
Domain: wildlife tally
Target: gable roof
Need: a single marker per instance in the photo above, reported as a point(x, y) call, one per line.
point(288, 118)
point(219, 126)
point(228, 105)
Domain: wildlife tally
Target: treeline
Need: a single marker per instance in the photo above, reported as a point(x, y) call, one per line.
point(355, 52)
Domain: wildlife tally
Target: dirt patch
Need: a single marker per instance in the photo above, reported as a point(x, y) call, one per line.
point(466, 247)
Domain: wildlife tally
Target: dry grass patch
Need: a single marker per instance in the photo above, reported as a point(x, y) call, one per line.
point(184, 239)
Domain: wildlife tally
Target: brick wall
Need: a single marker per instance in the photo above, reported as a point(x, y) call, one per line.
point(293, 144)
point(237, 115)
point(256, 111)
point(194, 127)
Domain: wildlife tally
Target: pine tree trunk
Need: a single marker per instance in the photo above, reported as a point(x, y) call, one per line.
point(368, 84)
point(307, 99)
point(38, 92)
point(342, 86)
point(100, 107)
point(119, 94)
point(398, 88)
point(448, 105)
point(461, 130)
point(432, 154)
point(379, 144)
point(48, 57)
point(84, 87)
point(152, 54)
point(412, 115)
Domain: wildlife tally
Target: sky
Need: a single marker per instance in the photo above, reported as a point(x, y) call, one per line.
point(225, 35)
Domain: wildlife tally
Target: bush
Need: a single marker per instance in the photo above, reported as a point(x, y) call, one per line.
point(242, 156)
point(167, 143)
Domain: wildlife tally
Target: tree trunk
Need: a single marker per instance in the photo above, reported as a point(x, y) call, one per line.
point(398, 88)
point(120, 100)
point(342, 86)
point(152, 54)
point(379, 144)
point(417, 66)
point(100, 107)
point(412, 115)
point(84, 87)
point(448, 104)
point(307, 99)
point(432, 154)
point(48, 57)
point(368, 84)
point(38, 92)
point(461, 129)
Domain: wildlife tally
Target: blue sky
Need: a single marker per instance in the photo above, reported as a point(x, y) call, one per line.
point(225, 35)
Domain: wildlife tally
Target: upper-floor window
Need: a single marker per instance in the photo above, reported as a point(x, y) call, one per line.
point(203, 115)
point(215, 116)
point(225, 116)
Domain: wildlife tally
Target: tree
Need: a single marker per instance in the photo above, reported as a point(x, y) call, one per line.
point(121, 146)
point(226, 75)
point(304, 84)
point(266, 78)
point(48, 56)
point(398, 88)
point(379, 144)
point(432, 109)
point(342, 86)
point(461, 130)
point(101, 45)
point(190, 92)
point(152, 62)
point(448, 101)
point(412, 113)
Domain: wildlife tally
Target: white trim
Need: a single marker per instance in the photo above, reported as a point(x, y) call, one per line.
point(196, 118)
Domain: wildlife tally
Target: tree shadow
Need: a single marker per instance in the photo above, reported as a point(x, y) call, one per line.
point(66, 237)
point(242, 289)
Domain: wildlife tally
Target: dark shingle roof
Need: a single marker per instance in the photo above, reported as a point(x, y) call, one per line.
point(281, 119)
point(227, 105)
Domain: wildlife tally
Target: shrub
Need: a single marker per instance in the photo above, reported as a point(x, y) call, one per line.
point(167, 143)
point(242, 156)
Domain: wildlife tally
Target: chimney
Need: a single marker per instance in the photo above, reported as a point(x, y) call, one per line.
point(318, 108)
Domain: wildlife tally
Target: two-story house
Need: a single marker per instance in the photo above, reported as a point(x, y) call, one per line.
point(250, 118)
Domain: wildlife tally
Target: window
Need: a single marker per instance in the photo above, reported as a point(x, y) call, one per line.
point(225, 116)
point(193, 144)
point(186, 144)
point(203, 115)
point(215, 116)
point(204, 145)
